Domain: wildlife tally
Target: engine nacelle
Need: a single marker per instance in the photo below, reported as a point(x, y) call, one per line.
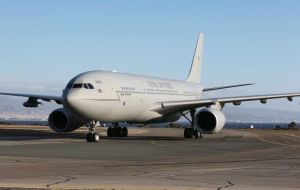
point(210, 120)
point(60, 121)
point(31, 103)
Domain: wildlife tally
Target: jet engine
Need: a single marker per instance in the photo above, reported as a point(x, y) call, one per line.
point(61, 121)
point(210, 120)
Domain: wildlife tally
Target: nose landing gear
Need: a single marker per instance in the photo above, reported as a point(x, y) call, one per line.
point(92, 135)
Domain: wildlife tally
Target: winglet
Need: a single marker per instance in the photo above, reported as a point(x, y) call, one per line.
point(195, 70)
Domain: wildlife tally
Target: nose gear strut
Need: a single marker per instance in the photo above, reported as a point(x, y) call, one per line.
point(92, 135)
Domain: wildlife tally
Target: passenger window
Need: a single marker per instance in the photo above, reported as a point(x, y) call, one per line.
point(90, 86)
point(77, 85)
point(85, 86)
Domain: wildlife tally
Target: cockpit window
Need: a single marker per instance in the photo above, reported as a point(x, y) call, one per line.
point(85, 86)
point(77, 85)
point(69, 86)
point(90, 86)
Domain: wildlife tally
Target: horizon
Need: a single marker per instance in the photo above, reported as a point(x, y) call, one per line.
point(45, 44)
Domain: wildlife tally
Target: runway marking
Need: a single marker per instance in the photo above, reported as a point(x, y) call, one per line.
point(230, 184)
point(154, 143)
point(259, 137)
point(161, 145)
point(63, 181)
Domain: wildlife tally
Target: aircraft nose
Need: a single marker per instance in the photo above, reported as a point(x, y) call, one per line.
point(69, 99)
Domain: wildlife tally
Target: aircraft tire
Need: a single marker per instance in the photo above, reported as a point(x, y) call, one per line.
point(89, 137)
point(115, 131)
point(119, 132)
point(125, 132)
point(196, 134)
point(187, 133)
point(110, 132)
point(95, 137)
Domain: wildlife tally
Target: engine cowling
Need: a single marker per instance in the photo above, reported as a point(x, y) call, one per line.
point(60, 121)
point(210, 120)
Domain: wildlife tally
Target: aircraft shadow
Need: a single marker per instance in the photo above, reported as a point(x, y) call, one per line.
point(144, 138)
point(29, 134)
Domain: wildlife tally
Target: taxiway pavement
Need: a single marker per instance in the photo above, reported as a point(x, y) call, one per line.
point(150, 158)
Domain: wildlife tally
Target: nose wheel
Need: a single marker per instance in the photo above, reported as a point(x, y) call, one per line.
point(92, 135)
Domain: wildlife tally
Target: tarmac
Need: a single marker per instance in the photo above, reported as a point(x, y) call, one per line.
point(150, 159)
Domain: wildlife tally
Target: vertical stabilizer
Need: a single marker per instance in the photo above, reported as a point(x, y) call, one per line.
point(195, 70)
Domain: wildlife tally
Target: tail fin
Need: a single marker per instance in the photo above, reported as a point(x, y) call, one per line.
point(195, 71)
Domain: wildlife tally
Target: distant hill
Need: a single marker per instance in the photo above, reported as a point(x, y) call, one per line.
point(240, 114)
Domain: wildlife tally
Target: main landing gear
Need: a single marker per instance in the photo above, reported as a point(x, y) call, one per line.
point(117, 131)
point(92, 135)
point(192, 131)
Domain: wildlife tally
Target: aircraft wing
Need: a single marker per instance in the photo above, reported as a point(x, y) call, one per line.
point(225, 87)
point(33, 99)
point(170, 107)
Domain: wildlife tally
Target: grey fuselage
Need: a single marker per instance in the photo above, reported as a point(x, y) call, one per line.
point(119, 97)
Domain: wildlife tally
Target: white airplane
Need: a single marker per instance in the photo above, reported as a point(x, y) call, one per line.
point(118, 97)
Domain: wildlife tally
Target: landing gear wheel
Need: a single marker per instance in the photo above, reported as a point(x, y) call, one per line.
point(114, 131)
point(196, 134)
point(92, 137)
point(119, 132)
point(188, 133)
point(89, 137)
point(185, 133)
point(125, 132)
point(95, 137)
point(191, 132)
point(110, 132)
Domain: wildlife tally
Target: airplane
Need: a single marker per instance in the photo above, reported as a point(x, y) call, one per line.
point(110, 96)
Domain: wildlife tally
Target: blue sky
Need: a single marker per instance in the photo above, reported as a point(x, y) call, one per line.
point(45, 43)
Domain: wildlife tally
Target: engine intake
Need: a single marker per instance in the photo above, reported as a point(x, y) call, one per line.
point(210, 120)
point(60, 121)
